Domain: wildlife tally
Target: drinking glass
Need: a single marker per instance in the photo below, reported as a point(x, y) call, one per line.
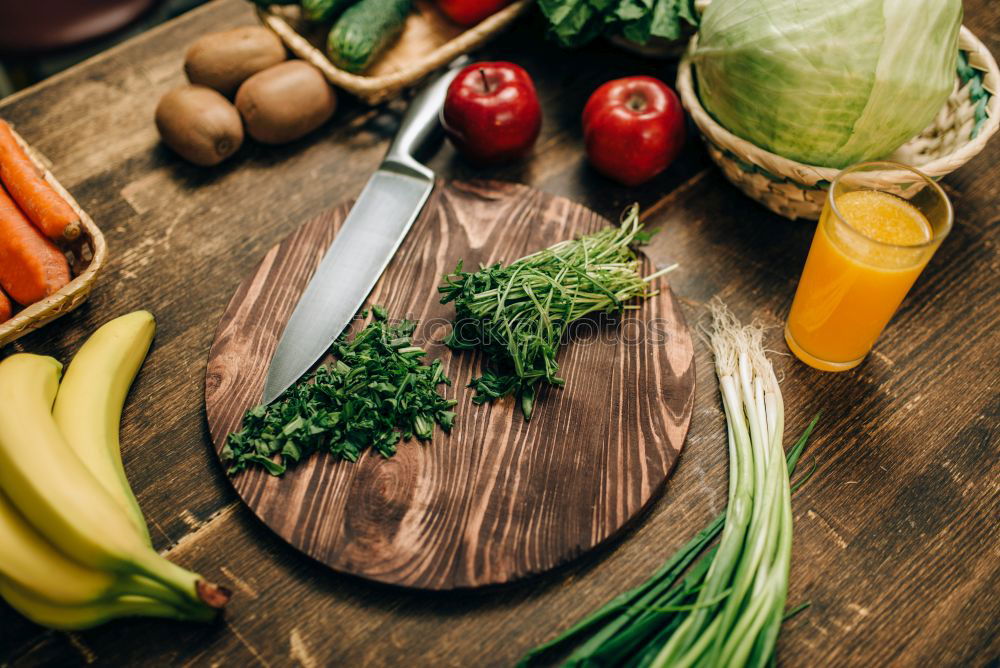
point(867, 251)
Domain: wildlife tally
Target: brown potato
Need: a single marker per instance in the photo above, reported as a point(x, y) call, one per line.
point(285, 102)
point(224, 60)
point(199, 124)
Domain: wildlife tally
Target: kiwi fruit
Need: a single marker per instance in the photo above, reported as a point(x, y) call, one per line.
point(285, 102)
point(224, 60)
point(199, 124)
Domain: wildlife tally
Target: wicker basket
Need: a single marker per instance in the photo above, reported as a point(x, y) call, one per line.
point(796, 190)
point(86, 257)
point(429, 41)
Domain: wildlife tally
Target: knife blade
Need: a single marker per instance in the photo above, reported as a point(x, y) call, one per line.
point(372, 232)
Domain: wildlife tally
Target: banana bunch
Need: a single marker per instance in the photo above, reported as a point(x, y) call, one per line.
point(74, 547)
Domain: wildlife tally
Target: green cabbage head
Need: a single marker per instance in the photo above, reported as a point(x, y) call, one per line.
point(827, 82)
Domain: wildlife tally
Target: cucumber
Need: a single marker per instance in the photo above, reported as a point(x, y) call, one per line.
point(323, 10)
point(364, 31)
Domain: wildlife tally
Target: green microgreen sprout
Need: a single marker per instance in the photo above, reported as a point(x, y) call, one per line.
point(518, 315)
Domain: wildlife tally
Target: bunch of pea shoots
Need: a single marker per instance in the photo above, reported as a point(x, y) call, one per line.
point(722, 604)
point(518, 314)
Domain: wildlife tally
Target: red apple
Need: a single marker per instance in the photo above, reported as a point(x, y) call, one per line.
point(633, 129)
point(470, 12)
point(491, 112)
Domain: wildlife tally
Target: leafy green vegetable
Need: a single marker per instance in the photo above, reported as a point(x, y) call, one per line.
point(376, 392)
point(827, 83)
point(576, 22)
point(517, 315)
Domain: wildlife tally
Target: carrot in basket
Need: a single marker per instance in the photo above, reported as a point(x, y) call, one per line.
point(40, 202)
point(31, 267)
point(6, 308)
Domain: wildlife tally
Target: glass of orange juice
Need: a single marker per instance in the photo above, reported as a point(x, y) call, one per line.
point(870, 245)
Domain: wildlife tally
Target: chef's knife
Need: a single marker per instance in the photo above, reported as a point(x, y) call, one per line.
point(371, 234)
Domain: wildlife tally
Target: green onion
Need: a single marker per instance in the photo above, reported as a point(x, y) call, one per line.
point(728, 608)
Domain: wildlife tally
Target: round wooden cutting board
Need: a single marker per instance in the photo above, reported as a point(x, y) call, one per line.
point(498, 498)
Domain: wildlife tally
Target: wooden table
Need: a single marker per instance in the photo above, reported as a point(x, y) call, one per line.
point(897, 541)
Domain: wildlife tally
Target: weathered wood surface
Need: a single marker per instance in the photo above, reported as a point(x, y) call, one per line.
point(499, 498)
point(896, 537)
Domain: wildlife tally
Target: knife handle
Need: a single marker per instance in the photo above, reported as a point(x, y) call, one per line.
point(420, 123)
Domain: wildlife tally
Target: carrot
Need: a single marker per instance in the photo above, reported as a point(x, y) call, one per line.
point(40, 202)
point(31, 267)
point(6, 308)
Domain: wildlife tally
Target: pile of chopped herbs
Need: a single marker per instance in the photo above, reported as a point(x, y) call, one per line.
point(576, 22)
point(517, 315)
point(377, 392)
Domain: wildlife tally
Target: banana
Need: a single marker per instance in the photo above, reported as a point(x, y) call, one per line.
point(30, 562)
point(85, 616)
point(90, 399)
point(53, 489)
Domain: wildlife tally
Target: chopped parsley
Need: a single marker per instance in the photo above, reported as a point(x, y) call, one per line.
point(376, 393)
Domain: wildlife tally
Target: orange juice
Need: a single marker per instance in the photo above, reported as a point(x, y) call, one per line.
point(868, 250)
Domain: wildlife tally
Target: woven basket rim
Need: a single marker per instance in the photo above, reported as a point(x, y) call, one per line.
point(375, 89)
point(812, 174)
point(75, 292)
